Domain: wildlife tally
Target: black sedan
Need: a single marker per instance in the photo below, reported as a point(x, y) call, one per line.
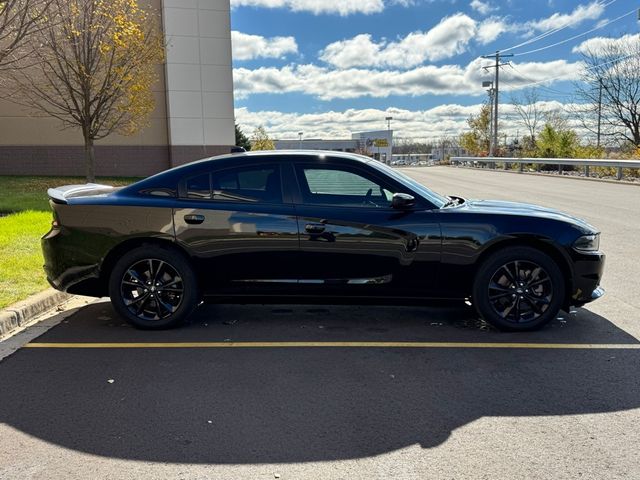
point(313, 227)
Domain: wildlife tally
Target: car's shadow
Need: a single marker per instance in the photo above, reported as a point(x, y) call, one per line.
point(264, 405)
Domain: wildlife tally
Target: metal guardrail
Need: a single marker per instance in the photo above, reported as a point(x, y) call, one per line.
point(583, 162)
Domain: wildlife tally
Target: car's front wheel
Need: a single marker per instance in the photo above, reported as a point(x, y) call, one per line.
point(153, 287)
point(518, 289)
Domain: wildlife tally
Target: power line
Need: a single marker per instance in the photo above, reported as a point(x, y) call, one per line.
point(549, 91)
point(576, 36)
point(587, 68)
point(549, 32)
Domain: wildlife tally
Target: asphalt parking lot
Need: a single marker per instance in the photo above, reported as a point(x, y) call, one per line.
point(344, 392)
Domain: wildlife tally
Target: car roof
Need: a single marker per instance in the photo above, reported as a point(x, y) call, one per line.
point(284, 154)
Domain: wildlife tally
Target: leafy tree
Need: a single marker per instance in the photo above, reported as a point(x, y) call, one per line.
point(19, 19)
point(96, 62)
point(477, 141)
point(555, 143)
point(242, 140)
point(261, 141)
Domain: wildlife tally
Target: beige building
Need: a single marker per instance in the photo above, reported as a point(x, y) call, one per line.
point(193, 118)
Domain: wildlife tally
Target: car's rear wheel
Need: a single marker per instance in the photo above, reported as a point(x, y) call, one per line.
point(518, 289)
point(153, 287)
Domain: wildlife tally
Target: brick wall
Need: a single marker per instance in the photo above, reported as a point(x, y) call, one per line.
point(124, 161)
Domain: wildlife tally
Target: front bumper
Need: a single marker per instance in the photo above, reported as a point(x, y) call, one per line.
point(587, 275)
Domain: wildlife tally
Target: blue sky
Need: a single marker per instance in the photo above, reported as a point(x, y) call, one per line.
point(329, 67)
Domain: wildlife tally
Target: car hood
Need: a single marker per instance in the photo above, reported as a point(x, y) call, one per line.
point(526, 209)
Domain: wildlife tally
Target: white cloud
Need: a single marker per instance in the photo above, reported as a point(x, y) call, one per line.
point(248, 47)
point(327, 84)
point(484, 8)
point(317, 7)
point(450, 37)
point(598, 44)
point(490, 29)
point(423, 125)
point(580, 14)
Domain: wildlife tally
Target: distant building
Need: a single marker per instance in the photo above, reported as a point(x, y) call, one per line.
point(444, 153)
point(377, 144)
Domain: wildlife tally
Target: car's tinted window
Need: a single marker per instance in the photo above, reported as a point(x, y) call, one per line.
point(341, 186)
point(248, 184)
point(199, 187)
point(243, 184)
point(159, 192)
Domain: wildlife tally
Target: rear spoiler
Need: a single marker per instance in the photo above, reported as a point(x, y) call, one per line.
point(61, 194)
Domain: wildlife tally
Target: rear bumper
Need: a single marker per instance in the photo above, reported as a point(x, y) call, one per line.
point(66, 270)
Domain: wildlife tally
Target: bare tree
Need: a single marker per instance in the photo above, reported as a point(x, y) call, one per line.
point(95, 66)
point(529, 110)
point(19, 19)
point(409, 145)
point(610, 88)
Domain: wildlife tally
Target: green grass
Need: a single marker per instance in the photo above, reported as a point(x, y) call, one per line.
point(21, 260)
point(18, 194)
point(25, 203)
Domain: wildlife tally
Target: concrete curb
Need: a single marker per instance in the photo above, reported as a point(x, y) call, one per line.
point(21, 314)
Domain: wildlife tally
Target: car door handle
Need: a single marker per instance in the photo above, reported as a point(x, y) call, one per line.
point(194, 219)
point(315, 228)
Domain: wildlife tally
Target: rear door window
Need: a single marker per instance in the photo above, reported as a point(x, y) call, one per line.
point(199, 187)
point(242, 184)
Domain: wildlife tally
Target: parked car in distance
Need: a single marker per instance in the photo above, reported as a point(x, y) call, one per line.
point(313, 227)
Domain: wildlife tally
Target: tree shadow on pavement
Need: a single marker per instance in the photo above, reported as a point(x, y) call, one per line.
point(277, 405)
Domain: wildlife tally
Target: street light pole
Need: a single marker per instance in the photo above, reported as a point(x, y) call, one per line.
point(300, 142)
point(388, 119)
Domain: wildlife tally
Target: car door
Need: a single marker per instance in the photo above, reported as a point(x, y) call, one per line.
point(237, 225)
point(350, 235)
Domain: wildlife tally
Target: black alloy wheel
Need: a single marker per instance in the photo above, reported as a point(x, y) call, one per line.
point(153, 287)
point(519, 289)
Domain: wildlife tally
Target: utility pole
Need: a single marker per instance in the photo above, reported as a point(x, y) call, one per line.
point(491, 91)
point(586, 167)
point(599, 109)
point(496, 95)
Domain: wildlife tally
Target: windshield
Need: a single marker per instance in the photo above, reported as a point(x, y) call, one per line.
point(438, 200)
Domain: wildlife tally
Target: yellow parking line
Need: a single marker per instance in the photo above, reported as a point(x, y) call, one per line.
point(559, 346)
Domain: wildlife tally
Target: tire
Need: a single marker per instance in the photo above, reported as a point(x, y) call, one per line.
point(518, 289)
point(164, 303)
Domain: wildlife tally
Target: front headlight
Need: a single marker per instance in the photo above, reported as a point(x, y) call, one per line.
point(587, 243)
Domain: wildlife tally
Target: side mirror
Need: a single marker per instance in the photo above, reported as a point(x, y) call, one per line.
point(402, 201)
